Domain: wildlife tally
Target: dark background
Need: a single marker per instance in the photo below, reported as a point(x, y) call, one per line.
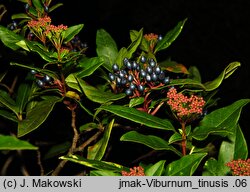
point(216, 33)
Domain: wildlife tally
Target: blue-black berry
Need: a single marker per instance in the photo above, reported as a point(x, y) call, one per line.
point(152, 63)
point(33, 72)
point(143, 59)
point(128, 92)
point(115, 67)
point(47, 79)
point(40, 83)
point(111, 76)
point(141, 88)
point(166, 80)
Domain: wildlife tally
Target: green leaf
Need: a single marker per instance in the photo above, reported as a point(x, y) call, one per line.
point(156, 170)
point(71, 32)
point(100, 165)
point(8, 115)
point(89, 65)
point(136, 101)
point(57, 149)
point(12, 143)
point(37, 115)
point(211, 85)
point(38, 5)
point(221, 121)
point(185, 166)
point(123, 52)
point(194, 73)
point(170, 37)
point(151, 141)
point(8, 102)
point(106, 48)
point(173, 66)
point(97, 151)
point(139, 117)
point(174, 138)
point(9, 38)
point(212, 168)
point(97, 95)
point(135, 43)
point(104, 173)
point(20, 16)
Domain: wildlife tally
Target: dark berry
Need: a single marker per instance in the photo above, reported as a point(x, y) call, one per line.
point(125, 61)
point(46, 9)
point(128, 92)
point(33, 71)
point(84, 45)
point(40, 83)
point(111, 76)
point(148, 78)
point(130, 78)
point(141, 88)
point(143, 59)
point(161, 75)
point(129, 65)
point(26, 6)
point(123, 81)
point(132, 86)
point(166, 80)
point(115, 67)
point(149, 70)
point(134, 65)
point(157, 70)
point(154, 77)
point(118, 81)
point(152, 63)
point(121, 74)
point(47, 79)
point(143, 73)
point(160, 37)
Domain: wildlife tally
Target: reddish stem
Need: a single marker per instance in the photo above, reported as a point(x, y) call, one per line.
point(184, 138)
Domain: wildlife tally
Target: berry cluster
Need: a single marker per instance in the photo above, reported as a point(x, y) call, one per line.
point(135, 171)
point(136, 78)
point(43, 80)
point(239, 167)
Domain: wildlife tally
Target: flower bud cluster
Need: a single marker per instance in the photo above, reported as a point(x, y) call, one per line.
point(135, 171)
point(184, 106)
point(135, 78)
point(239, 167)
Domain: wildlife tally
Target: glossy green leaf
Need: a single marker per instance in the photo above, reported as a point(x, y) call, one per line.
point(135, 43)
point(106, 48)
point(212, 168)
point(173, 66)
point(71, 32)
point(136, 101)
point(220, 121)
point(211, 85)
point(185, 166)
point(89, 65)
point(151, 141)
point(123, 52)
point(139, 117)
point(104, 173)
point(170, 37)
point(38, 5)
point(91, 92)
point(53, 7)
point(37, 115)
point(156, 170)
point(20, 16)
point(144, 44)
point(100, 165)
point(97, 151)
point(175, 138)
point(9, 38)
point(12, 143)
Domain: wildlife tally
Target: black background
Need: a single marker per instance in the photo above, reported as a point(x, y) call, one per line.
point(216, 33)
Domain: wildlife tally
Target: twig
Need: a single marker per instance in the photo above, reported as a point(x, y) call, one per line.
point(6, 165)
point(40, 163)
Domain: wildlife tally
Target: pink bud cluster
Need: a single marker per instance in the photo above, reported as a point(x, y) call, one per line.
point(40, 22)
point(239, 167)
point(135, 171)
point(183, 105)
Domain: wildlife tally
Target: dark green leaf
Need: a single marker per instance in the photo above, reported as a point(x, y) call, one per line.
point(185, 166)
point(8, 115)
point(57, 149)
point(156, 170)
point(37, 115)
point(12, 143)
point(136, 101)
point(135, 43)
point(139, 117)
point(100, 165)
point(221, 121)
point(8, 102)
point(89, 65)
point(104, 173)
point(194, 73)
point(38, 5)
point(151, 141)
point(20, 16)
point(169, 38)
point(97, 151)
point(211, 85)
point(106, 48)
point(9, 38)
point(71, 32)
point(174, 138)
